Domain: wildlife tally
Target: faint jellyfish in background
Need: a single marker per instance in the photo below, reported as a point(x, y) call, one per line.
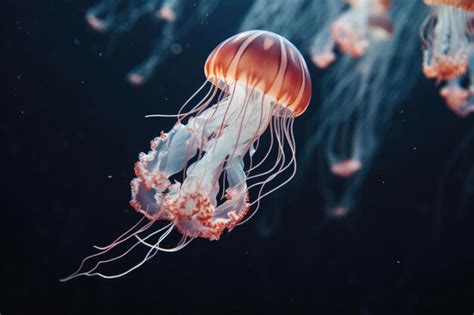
point(350, 31)
point(177, 27)
point(458, 97)
point(195, 176)
point(295, 20)
point(322, 48)
point(119, 15)
point(445, 38)
point(448, 52)
point(167, 12)
point(178, 17)
point(458, 93)
point(358, 99)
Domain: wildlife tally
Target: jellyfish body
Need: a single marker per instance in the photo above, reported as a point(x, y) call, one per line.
point(351, 31)
point(446, 39)
point(322, 44)
point(195, 176)
point(359, 97)
point(223, 134)
point(459, 99)
point(448, 36)
point(119, 16)
point(176, 26)
point(167, 12)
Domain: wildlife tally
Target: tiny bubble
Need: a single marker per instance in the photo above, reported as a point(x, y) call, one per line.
point(82, 81)
point(100, 54)
point(22, 112)
point(398, 261)
point(109, 176)
point(176, 48)
point(414, 148)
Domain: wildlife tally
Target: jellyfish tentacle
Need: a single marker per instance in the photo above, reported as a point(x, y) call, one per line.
point(77, 273)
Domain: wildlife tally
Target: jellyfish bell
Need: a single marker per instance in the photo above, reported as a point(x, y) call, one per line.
point(462, 4)
point(338, 212)
point(194, 176)
point(323, 59)
point(135, 79)
point(96, 23)
point(346, 168)
point(445, 38)
point(166, 13)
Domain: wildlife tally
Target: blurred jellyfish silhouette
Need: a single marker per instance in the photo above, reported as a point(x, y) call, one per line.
point(202, 174)
point(448, 51)
point(358, 99)
point(295, 20)
point(351, 28)
point(119, 16)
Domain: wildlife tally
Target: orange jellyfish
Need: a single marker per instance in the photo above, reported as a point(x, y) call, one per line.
point(353, 31)
point(458, 93)
point(446, 39)
point(167, 12)
point(195, 175)
point(350, 30)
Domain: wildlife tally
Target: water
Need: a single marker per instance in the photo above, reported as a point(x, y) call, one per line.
point(72, 128)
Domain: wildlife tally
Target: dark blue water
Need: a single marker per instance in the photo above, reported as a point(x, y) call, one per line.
point(70, 121)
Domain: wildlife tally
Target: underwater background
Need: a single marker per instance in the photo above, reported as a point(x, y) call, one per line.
point(72, 127)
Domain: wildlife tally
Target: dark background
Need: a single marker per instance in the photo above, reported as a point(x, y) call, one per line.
point(69, 120)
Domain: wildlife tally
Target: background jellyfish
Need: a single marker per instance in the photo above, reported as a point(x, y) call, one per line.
point(119, 16)
point(448, 53)
point(358, 98)
point(322, 44)
point(201, 175)
point(445, 39)
point(351, 30)
point(288, 18)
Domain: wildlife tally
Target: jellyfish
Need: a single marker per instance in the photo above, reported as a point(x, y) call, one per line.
point(167, 12)
point(458, 93)
point(359, 97)
point(120, 16)
point(195, 176)
point(322, 48)
point(350, 31)
point(177, 26)
point(446, 39)
point(288, 18)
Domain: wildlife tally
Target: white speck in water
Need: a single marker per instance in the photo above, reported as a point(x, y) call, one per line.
point(176, 48)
